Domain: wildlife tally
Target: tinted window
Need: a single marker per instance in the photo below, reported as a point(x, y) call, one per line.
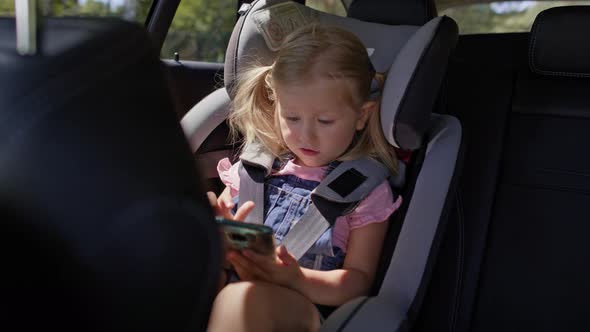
point(133, 10)
point(200, 30)
point(335, 7)
point(506, 16)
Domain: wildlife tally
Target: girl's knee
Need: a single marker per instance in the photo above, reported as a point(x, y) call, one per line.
point(239, 297)
point(238, 290)
point(264, 307)
point(239, 307)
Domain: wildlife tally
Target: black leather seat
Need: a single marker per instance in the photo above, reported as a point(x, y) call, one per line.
point(515, 253)
point(105, 226)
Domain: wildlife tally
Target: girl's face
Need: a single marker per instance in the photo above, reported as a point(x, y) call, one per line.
point(318, 121)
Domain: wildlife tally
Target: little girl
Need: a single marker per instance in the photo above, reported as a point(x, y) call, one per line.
point(311, 108)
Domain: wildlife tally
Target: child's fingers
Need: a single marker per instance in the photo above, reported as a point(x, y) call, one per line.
point(213, 202)
point(284, 255)
point(220, 205)
point(226, 202)
point(224, 210)
point(226, 196)
point(245, 268)
point(242, 272)
point(212, 198)
point(258, 270)
point(261, 261)
point(244, 210)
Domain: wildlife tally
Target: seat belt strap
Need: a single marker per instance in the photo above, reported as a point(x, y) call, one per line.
point(338, 194)
point(252, 189)
point(305, 232)
point(351, 181)
point(255, 165)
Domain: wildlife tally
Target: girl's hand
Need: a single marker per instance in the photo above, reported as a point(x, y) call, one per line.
point(223, 205)
point(281, 269)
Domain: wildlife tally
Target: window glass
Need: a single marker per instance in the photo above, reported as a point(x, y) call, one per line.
point(495, 17)
point(200, 30)
point(6, 8)
point(335, 7)
point(133, 10)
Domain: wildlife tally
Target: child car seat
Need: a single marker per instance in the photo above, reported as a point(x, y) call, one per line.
point(104, 223)
point(415, 59)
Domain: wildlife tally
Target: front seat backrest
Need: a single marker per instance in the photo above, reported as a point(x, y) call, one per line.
point(93, 159)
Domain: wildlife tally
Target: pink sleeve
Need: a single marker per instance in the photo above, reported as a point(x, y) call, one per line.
point(228, 174)
point(377, 207)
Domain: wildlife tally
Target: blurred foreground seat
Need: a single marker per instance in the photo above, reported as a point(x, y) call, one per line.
point(104, 223)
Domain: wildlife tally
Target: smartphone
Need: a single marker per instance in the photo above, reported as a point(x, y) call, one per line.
point(240, 235)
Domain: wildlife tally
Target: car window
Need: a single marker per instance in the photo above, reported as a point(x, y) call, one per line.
point(496, 17)
point(200, 30)
point(335, 7)
point(132, 10)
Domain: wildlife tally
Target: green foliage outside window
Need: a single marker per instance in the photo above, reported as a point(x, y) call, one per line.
point(201, 30)
point(335, 7)
point(133, 10)
point(6, 8)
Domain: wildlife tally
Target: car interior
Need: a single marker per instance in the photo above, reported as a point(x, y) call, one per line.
point(107, 152)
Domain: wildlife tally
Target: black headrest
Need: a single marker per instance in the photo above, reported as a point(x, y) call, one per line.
point(559, 42)
point(90, 142)
point(393, 12)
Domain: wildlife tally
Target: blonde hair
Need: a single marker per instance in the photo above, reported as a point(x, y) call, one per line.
point(311, 52)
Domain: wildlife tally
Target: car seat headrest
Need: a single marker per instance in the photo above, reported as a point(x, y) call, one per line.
point(411, 12)
point(558, 45)
point(414, 58)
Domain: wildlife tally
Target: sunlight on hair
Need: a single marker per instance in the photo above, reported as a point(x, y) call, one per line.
point(310, 53)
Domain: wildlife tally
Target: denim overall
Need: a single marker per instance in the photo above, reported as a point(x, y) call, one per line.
point(286, 199)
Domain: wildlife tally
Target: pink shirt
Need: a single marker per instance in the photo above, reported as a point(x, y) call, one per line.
point(376, 207)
